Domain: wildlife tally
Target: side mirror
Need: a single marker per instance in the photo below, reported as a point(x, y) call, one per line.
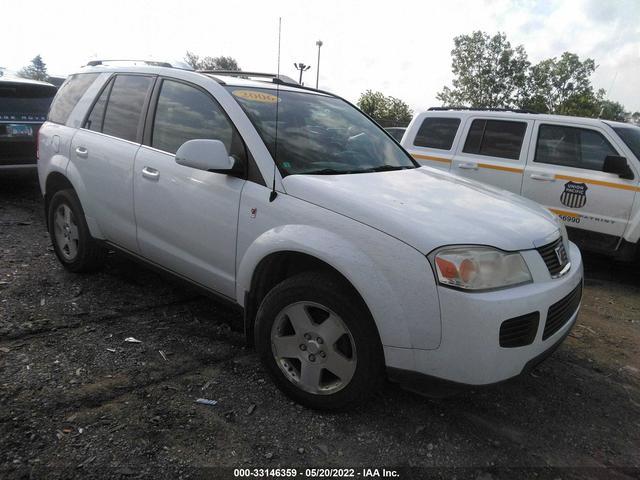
point(619, 166)
point(208, 155)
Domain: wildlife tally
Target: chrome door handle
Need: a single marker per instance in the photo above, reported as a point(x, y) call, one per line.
point(468, 166)
point(544, 178)
point(150, 173)
point(82, 152)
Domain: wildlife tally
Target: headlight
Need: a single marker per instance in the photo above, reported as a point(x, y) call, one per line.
point(479, 268)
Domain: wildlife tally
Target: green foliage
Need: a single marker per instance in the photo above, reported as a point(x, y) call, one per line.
point(386, 110)
point(561, 85)
point(211, 63)
point(490, 73)
point(36, 70)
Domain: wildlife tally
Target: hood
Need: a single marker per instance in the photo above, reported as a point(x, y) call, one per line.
point(428, 208)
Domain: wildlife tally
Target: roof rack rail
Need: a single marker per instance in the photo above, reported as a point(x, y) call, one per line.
point(481, 109)
point(154, 63)
point(282, 79)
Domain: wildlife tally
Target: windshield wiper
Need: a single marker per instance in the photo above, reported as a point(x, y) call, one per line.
point(326, 171)
point(383, 168)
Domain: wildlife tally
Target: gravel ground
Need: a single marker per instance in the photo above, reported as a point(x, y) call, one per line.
point(76, 400)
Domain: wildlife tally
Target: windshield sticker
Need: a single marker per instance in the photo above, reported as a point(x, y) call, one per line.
point(574, 195)
point(256, 96)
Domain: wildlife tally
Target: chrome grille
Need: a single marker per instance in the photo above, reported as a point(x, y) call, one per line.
point(555, 256)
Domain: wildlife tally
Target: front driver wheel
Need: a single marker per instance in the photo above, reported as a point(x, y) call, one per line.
point(319, 343)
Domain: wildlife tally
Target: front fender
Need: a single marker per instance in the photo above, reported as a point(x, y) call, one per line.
point(394, 280)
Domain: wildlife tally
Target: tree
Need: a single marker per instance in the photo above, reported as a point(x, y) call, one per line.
point(561, 86)
point(488, 71)
point(211, 63)
point(386, 110)
point(37, 70)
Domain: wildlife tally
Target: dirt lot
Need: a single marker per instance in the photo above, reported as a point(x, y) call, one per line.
point(78, 401)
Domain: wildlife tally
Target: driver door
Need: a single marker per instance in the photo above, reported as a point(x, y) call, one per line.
point(187, 218)
point(564, 173)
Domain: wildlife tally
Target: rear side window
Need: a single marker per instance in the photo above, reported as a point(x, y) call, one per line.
point(187, 113)
point(69, 95)
point(437, 133)
point(572, 147)
point(95, 120)
point(124, 106)
point(496, 138)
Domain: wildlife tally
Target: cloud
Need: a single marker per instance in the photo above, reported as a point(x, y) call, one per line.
point(401, 48)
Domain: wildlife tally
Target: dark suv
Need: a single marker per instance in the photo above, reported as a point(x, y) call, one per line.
point(23, 109)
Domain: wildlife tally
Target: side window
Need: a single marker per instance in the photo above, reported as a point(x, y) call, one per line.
point(69, 95)
point(95, 120)
point(572, 147)
point(496, 138)
point(124, 108)
point(187, 113)
point(437, 133)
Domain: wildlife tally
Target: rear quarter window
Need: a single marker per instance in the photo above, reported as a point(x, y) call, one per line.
point(69, 95)
point(437, 133)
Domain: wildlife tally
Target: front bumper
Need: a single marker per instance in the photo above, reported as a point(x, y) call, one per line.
point(470, 351)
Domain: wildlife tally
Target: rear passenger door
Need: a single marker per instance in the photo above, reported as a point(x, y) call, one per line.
point(565, 174)
point(434, 141)
point(103, 152)
point(493, 151)
point(187, 219)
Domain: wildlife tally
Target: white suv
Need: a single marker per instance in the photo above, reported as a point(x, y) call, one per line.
point(348, 259)
point(585, 170)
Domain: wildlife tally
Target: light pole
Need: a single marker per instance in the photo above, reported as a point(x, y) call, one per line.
point(303, 68)
point(319, 44)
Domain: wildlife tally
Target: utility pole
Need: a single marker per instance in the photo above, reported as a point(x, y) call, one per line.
point(319, 44)
point(303, 68)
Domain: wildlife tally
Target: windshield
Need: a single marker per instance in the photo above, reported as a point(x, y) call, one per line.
point(318, 134)
point(630, 136)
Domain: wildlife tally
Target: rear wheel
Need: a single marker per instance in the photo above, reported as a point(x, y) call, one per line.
point(318, 342)
point(72, 242)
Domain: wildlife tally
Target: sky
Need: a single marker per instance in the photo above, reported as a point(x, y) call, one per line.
point(401, 48)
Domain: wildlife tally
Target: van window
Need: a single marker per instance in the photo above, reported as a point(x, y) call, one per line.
point(572, 147)
point(69, 95)
point(124, 108)
point(186, 113)
point(437, 133)
point(96, 118)
point(495, 138)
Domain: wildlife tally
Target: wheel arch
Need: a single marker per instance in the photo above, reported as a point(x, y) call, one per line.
point(276, 267)
point(55, 182)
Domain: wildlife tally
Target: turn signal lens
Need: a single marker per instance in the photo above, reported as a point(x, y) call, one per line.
point(480, 268)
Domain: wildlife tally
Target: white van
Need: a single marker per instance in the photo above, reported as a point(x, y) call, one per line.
point(585, 170)
point(348, 259)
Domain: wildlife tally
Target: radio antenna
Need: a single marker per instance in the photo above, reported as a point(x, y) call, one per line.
point(274, 194)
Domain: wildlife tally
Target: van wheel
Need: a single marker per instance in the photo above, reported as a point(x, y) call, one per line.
point(72, 242)
point(319, 342)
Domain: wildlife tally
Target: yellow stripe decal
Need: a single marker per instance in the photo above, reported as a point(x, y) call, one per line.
point(429, 157)
point(498, 167)
point(564, 212)
point(621, 186)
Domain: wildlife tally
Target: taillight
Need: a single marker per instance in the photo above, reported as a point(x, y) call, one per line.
point(38, 145)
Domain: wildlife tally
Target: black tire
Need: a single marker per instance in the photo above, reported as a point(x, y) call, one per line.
point(335, 294)
point(90, 254)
